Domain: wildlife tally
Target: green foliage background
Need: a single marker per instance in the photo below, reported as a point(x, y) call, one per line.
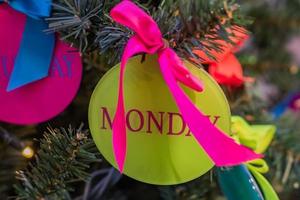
point(274, 23)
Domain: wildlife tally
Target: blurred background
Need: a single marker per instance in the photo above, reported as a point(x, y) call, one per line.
point(271, 56)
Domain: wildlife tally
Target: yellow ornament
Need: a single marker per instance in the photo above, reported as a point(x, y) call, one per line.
point(160, 148)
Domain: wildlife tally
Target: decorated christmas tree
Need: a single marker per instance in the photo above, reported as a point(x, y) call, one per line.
point(168, 99)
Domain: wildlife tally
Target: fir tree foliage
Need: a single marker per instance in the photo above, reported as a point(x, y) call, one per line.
point(187, 25)
point(77, 21)
point(64, 158)
point(65, 155)
point(199, 24)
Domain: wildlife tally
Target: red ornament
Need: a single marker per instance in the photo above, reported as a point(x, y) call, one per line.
point(225, 67)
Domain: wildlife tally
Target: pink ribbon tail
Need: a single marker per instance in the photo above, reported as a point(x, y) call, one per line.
point(222, 149)
point(133, 47)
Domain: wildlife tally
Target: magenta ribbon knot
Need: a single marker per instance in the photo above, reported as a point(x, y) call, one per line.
point(222, 149)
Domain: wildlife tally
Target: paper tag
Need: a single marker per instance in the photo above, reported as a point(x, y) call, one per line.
point(43, 99)
point(160, 148)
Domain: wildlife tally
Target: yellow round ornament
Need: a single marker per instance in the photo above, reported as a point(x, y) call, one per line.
point(160, 148)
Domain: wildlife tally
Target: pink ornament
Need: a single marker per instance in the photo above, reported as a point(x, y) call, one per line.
point(43, 99)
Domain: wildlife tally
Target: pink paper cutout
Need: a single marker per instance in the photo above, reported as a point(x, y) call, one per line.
point(42, 100)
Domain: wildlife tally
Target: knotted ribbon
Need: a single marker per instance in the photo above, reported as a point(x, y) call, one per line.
point(258, 138)
point(36, 49)
point(223, 150)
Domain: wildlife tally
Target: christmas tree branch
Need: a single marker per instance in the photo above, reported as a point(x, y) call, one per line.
point(188, 25)
point(63, 158)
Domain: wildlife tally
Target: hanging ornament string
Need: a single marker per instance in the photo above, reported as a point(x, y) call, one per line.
point(36, 49)
point(223, 150)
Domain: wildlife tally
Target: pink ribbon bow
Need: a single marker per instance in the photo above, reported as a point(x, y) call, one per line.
point(223, 150)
